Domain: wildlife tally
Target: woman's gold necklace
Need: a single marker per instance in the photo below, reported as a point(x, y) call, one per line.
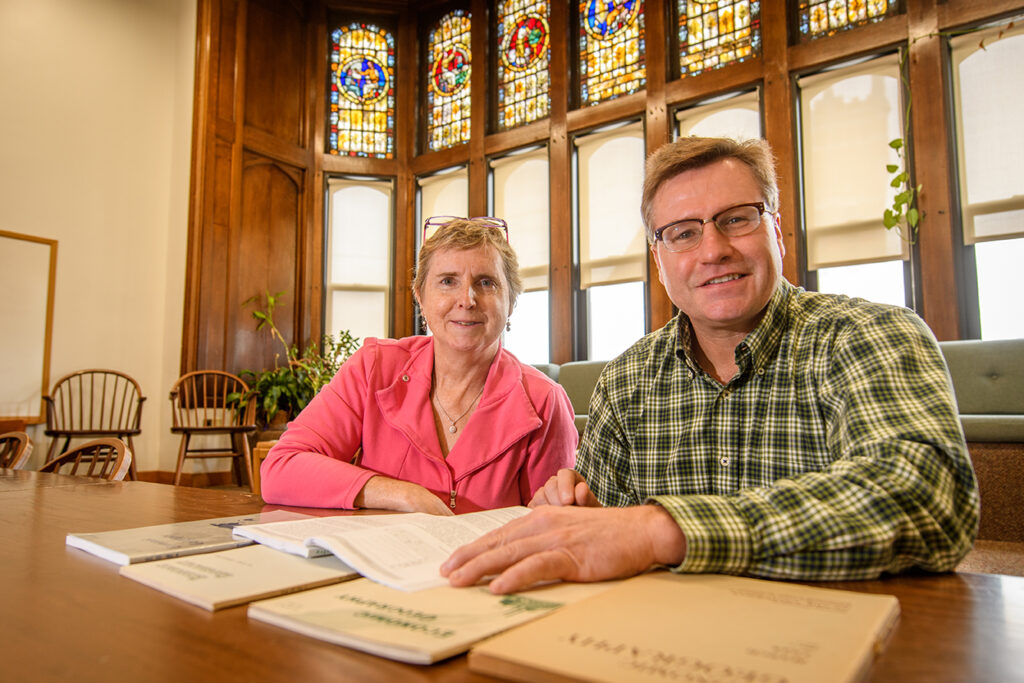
point(453, 428)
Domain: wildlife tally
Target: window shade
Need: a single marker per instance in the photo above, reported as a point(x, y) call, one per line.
point(989, 94)
point(521, 198)
point(738, 117)
point(848, 117)
point(359, 256)
point(443, 194)
point(610, 174)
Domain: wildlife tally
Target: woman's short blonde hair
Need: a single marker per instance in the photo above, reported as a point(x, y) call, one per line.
point(470, 233)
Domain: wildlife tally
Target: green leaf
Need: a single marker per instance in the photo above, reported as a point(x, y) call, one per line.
point(892, 168)
point(897, 143)
point(889, 219)
point(912, 217)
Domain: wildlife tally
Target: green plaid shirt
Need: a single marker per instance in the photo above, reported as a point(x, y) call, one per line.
point(835, 452)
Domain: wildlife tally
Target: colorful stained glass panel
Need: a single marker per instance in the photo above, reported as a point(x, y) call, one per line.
point(361, 120)
point(523, 58)
point(818, 18)
point(611, 49)
point(715, 33)
point(448, 77)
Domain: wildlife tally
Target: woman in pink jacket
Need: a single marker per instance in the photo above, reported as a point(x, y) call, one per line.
point(443, 424)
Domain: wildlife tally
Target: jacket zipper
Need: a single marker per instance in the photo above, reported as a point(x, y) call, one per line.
point(452, 500)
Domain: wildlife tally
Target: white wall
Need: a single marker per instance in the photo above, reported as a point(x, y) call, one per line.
point(95, 139)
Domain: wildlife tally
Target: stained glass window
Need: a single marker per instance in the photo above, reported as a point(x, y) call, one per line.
point(523, 41)
point(448, 77)
point(362, 115)
point(611, 49)
point(819, 18)
point(713, 34)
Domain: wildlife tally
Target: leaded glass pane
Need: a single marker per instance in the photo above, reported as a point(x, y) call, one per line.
point(611, 49)
point(448, 76)
point(713, 34)
point(362, 115)
point(819, 18)
point(523, 40)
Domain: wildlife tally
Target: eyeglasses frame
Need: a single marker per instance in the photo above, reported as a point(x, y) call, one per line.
point(761, 211)
point(441, 221)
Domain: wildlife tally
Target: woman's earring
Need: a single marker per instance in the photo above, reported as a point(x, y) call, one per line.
point(508, 325)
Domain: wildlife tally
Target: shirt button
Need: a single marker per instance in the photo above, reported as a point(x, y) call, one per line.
point(405, 378)
point(760, 371)
point(724, 460)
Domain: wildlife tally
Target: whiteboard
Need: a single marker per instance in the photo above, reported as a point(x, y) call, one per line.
point(28, 267)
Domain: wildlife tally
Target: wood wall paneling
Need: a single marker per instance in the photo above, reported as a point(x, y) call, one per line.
point(275, 78)
point(560, 273)
point(934, 170)
point(657, 132)
point(778, 104)
point(266, 260)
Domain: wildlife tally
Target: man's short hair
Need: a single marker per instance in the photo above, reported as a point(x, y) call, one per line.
point(688, 153)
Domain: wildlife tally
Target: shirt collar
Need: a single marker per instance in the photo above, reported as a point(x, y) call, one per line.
point(757, 348)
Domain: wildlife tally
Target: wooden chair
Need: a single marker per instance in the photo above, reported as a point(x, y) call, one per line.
point(201, 405)
point(108, 459)
point(93, 404)
point(15, 448)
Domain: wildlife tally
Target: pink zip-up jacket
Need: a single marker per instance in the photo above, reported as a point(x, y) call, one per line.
point(521, 433)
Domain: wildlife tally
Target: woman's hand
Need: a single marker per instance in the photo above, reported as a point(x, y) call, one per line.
point(566, 487)
point(404, 496)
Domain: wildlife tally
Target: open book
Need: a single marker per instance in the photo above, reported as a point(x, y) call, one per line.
point(404, 551)
point(419, 628)
point(233, 577)
point(147, 543)
point(665, 627)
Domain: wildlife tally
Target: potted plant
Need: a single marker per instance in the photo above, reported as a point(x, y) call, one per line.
point(282, 391)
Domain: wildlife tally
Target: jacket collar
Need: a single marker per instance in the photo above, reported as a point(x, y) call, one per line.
point(405, 405)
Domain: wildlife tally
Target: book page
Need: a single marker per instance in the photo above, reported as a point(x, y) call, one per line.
point(404, 551)
point(293, 537)
point(408, 556)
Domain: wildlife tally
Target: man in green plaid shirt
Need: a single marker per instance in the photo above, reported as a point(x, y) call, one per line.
point(765, 430)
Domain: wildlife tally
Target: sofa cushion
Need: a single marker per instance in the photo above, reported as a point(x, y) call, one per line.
point(549, 369)
point(579, 379)
point(988, 376)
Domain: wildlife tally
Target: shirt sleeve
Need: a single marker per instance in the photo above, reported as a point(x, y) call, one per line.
point(604, 454)
point(553, 446)
point(899, 493)
point(311, 465)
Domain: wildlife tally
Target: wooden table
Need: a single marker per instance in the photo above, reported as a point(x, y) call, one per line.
point(67, 615)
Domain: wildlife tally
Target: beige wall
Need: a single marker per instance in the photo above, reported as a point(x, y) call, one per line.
point(95, 135)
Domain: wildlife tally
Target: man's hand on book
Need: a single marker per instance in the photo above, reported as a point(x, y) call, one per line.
point(384, 493)
point(569, 543)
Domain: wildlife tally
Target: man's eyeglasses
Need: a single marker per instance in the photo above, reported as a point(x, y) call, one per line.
point(431, 225)
point(736, 221)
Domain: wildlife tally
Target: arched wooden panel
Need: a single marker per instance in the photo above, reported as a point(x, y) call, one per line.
point(266, 260)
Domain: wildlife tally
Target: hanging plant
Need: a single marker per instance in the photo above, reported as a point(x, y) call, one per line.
point(903, 214)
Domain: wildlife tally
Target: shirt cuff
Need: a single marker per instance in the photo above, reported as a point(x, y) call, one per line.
point(718, 539)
